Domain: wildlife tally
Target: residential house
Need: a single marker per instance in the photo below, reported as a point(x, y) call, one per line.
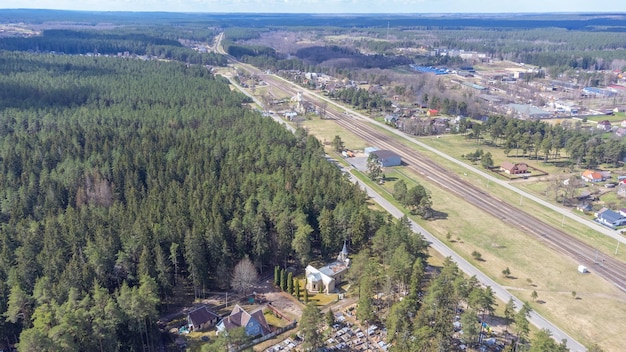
point(604, 125)
point(620, 132)
point(621, 190)
point(514, 169)
point(391, 119)
point(584, 207)
point(611, 218)
point(201, 318)
point(432, 112)
point(254, 323)
point(623, 124)
point(592, 176)
point(325, 278)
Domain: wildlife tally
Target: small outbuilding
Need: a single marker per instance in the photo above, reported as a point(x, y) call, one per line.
point(367, 151)
point(201, 318)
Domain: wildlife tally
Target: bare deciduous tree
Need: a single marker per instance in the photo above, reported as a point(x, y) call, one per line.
point(244, 276)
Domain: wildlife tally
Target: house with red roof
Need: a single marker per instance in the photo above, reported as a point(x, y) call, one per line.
point(514, 168)
point(592, 176)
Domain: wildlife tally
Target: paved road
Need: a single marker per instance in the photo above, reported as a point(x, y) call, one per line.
point(563, 211)
point(500, 292)
point(560, 210)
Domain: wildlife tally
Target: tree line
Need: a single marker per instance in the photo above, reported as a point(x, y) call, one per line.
point(539, 140)
point(74, 42)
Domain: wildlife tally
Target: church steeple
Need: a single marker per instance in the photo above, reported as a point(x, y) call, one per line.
point(343, 256)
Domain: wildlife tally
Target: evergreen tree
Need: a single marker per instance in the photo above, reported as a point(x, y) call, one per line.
point(297, 288)
point(310, 325)
point(283, 280)
point(290, 283)
point(330, 318)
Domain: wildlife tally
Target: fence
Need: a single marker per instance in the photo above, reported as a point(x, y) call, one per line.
point(278, 313)
point(269, 336)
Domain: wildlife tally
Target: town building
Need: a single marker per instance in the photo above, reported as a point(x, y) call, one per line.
point(388, 158)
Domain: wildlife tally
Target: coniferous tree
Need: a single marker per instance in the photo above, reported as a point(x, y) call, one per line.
point(290, 283)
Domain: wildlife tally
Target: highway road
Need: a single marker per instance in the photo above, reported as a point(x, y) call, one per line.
point(611, 269)
point(500, 292)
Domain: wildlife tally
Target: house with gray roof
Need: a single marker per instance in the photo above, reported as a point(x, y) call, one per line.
point(254, 323)
point(201, 318)
point(611, 218)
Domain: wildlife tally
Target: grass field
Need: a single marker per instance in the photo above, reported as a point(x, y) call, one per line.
point(616, 118)
point(326, 130)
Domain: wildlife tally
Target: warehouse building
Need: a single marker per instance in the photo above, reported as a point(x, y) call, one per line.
point(388, 158)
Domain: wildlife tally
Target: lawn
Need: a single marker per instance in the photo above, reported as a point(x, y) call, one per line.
point(274, 320)
point(617, 117)
point(320, 299)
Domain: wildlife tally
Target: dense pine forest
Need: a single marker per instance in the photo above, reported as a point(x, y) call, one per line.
point(122, 179)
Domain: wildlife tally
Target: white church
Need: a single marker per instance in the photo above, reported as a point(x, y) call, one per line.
point(324, 279)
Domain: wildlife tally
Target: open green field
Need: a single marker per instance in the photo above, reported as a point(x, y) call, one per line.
point(617, 117)
point(457, 146)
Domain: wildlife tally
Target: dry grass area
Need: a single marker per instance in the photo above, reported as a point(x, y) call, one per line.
point(326, 130)
point(552, 276)
point(603, 243)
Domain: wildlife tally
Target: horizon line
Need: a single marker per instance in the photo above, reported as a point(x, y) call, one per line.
point(329, 13)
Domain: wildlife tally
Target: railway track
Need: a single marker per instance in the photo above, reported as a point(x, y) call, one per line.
point(609, 268)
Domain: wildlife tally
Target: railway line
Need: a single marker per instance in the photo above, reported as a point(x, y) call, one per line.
point(611, 269)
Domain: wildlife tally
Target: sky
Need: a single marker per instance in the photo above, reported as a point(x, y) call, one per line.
point(327, 6)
